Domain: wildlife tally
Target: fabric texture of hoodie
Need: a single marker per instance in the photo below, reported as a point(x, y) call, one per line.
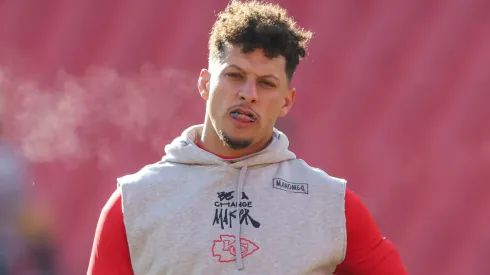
point(191, 212)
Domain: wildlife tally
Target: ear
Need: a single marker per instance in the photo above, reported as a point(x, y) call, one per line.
point(288, 102)
point(203, 83)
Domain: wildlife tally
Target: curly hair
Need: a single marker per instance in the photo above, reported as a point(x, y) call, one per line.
point(258, 25)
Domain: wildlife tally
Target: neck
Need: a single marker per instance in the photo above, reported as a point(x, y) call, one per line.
point(211, 142)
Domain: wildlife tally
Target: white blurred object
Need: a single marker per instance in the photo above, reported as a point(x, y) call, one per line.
point(12, 175)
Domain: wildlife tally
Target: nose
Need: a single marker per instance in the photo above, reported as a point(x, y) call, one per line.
point(248, 91)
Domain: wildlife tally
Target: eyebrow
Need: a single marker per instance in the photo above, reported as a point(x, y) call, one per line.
point(262, 76)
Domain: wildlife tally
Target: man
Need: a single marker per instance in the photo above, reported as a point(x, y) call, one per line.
point(229, 197)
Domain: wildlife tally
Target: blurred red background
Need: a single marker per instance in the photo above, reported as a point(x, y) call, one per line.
point(394, 96)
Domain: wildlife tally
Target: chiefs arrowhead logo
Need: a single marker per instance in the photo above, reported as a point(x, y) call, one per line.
point(224, 248)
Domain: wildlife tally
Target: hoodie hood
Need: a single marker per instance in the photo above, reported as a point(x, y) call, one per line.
point(184, 150)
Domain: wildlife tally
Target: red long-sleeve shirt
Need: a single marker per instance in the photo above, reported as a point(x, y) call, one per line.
point(368, 253)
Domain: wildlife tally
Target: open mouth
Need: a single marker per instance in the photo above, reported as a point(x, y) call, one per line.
point(243, 115)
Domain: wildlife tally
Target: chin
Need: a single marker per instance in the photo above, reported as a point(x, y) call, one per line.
point(239, 134)
point(235, 141)
point(235, 136)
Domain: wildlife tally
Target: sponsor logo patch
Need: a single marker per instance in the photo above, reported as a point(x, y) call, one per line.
point(290, 187)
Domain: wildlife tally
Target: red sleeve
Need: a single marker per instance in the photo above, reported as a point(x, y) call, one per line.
point(110, 252)
point(368, 253)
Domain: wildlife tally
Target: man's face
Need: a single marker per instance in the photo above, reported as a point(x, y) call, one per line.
point(245, 93)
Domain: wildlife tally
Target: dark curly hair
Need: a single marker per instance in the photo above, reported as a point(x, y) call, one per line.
point(258, 25)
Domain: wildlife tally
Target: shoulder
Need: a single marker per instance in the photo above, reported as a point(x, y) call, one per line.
point(152, 180)
point(299, 171)
point(145, 175)
point(315, 174)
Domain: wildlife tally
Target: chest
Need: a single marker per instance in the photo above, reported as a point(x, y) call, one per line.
point(285, 226)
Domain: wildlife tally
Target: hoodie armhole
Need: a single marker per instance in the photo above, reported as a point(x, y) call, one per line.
point(344, 197)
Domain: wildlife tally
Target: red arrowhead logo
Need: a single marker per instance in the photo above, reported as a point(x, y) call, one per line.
point(224, 248)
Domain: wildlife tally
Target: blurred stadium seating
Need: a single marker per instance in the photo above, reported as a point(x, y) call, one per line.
point(394, 96)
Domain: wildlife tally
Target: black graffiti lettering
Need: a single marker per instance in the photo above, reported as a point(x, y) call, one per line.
point(224, 217)
point(232, 216)
point(244, 216)
point(246, 204)
point(218, 218)
point(233, 204)
point(244, 197)
point(225, 195)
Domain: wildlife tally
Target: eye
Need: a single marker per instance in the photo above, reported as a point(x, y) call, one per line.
point(268, 83)
point(234, 75)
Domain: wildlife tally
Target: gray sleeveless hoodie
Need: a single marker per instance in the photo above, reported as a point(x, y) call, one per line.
point(191, 212)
